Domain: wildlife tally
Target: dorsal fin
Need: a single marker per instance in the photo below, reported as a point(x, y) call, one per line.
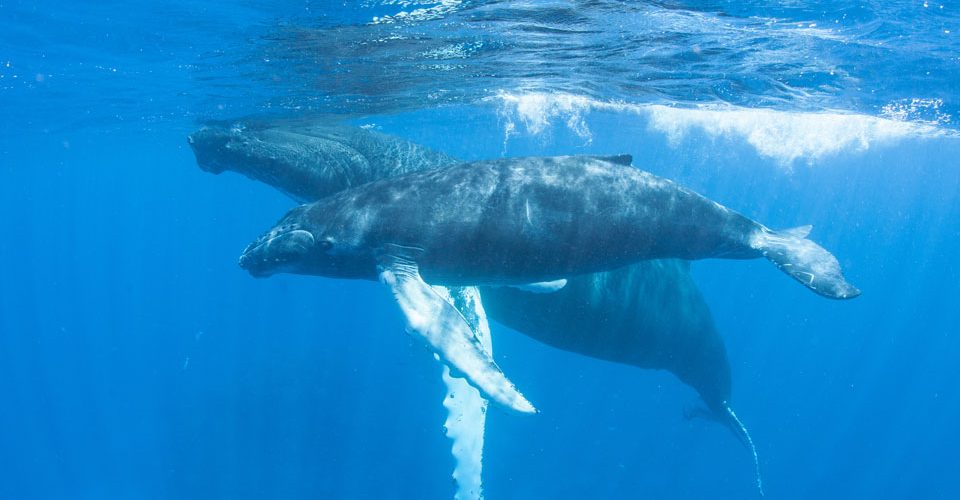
point(626, 160)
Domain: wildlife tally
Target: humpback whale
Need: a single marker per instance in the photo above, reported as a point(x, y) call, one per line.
point(308, 161)
point(521, 221)
point(515, 222)
point(649, 315)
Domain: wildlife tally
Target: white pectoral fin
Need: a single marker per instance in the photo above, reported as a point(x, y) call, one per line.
point(448, 334)
point(465, 424)
point(543, 286)
point(466, 408)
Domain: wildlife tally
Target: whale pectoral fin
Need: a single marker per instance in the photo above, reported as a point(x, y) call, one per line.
point(466, 407)
point(465, 425)
point(543, 286)
point(804, 260)
point(447, 333)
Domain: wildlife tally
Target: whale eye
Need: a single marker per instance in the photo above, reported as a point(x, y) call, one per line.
point(325, 244)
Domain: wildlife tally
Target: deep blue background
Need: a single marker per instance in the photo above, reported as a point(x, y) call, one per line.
point(138, 361)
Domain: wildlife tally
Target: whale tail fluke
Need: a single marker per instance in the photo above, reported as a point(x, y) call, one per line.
point(804, 260)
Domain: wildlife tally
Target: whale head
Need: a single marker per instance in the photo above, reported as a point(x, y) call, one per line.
point(305, 167)
point(221, 147)
point(298, 244)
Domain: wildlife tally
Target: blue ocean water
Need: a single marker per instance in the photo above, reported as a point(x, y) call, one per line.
point(138, 361)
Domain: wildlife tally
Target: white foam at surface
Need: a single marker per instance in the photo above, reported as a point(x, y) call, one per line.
point(786, 137)
point(538, 110)
point(916, 109)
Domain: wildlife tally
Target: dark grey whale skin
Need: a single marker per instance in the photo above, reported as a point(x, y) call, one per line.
point(308, 161)
point(650, 314)
point(503, 222)
point(668, 327)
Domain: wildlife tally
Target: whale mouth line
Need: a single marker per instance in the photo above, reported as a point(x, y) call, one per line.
point(271, 252)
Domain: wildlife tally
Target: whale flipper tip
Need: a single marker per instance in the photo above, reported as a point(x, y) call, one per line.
point(804, 260)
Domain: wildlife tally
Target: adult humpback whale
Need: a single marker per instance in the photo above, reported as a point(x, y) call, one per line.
point(516, 222)
point(649, 314)
point(308, 161)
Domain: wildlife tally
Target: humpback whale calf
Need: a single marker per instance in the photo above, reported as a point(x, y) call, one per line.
point(516, 222)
